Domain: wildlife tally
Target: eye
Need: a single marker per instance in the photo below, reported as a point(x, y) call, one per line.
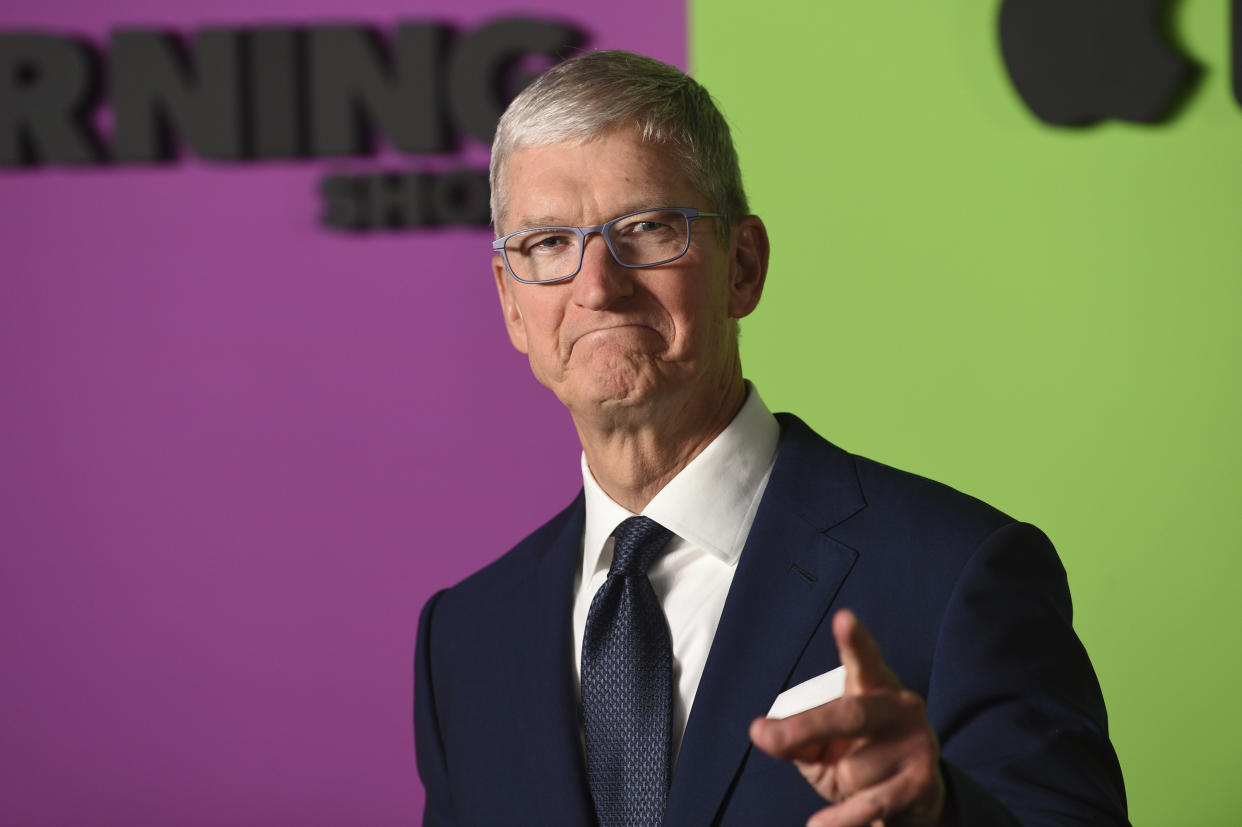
point(546, 242)
point(641, 225)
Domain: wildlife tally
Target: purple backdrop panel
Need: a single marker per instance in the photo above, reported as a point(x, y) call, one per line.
point(239, 450)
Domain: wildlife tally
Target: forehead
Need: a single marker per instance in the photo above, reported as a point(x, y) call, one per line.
point(593, 181)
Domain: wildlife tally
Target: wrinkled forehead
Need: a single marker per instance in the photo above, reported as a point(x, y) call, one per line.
point(617, 171)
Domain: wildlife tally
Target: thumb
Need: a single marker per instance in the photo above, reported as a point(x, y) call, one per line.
point(865, 669)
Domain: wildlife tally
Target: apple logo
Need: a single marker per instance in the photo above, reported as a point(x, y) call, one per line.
point(1075, 62)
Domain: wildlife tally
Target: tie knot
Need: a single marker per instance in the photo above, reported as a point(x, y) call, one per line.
point(637, 542)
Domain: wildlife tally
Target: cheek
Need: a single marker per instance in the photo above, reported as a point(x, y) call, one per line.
point(702, 316)
point(540, 320)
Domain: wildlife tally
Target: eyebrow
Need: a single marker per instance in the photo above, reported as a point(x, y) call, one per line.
point(527, 223)
point(539, 221)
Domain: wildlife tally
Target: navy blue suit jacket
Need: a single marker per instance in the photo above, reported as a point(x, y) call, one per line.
point(970, 608)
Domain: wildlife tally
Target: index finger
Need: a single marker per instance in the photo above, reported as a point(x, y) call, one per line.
point(864, 664)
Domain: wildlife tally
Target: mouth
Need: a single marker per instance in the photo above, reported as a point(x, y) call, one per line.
point(612, 330)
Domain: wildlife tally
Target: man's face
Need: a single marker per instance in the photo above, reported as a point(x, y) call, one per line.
point(612, 336)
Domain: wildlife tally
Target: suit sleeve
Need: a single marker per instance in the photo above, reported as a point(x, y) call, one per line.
point(429, 746)
point(1013, 696)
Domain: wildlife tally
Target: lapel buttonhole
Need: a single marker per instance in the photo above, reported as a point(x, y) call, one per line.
point(803, 573)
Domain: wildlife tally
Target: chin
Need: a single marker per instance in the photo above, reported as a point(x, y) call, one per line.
point(613, 392)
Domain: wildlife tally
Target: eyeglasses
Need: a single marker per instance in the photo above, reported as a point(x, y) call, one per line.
point(646, 238)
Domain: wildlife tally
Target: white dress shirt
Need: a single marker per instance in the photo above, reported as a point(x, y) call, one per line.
point(709, 506)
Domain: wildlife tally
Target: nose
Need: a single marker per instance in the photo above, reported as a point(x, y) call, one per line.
point(601, 281)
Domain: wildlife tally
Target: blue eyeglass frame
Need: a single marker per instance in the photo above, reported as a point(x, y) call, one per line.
point(689, 213)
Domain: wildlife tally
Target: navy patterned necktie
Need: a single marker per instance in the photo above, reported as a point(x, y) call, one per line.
point(627, 684)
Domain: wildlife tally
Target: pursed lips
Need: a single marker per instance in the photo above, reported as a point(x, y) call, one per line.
point(605, 329)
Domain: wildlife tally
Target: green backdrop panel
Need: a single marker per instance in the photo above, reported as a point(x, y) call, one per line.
point(1042, 317)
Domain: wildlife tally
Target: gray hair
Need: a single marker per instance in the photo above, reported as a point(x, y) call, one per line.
point(595, 92)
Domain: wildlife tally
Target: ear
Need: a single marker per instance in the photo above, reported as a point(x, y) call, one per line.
point(748, 265)
point(508, 305)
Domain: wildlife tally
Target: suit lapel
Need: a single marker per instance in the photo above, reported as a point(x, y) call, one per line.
point(544, 702)
point(787, 578)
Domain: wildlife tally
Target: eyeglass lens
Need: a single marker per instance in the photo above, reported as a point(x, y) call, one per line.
point(644, 239)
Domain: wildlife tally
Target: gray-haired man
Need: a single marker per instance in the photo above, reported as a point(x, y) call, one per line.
point(616, 666)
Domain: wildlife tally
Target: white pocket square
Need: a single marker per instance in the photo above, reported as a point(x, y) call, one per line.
point(809, 694)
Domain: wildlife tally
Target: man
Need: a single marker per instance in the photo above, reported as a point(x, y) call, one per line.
point(616, 666)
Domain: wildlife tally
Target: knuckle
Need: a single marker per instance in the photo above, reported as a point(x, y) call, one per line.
point(912, 702)
point(829, 785)
point(818, 775)
point(877, 804)
point(926, 743)
point(847, 777)
point(853, 715)
point(921, 775)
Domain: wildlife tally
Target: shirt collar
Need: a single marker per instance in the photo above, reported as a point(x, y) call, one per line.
point(711, 503)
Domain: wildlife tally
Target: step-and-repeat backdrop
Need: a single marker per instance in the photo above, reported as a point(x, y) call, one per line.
point(257, 402)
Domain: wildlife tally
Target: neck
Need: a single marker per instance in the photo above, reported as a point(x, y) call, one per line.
point(632, 458)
